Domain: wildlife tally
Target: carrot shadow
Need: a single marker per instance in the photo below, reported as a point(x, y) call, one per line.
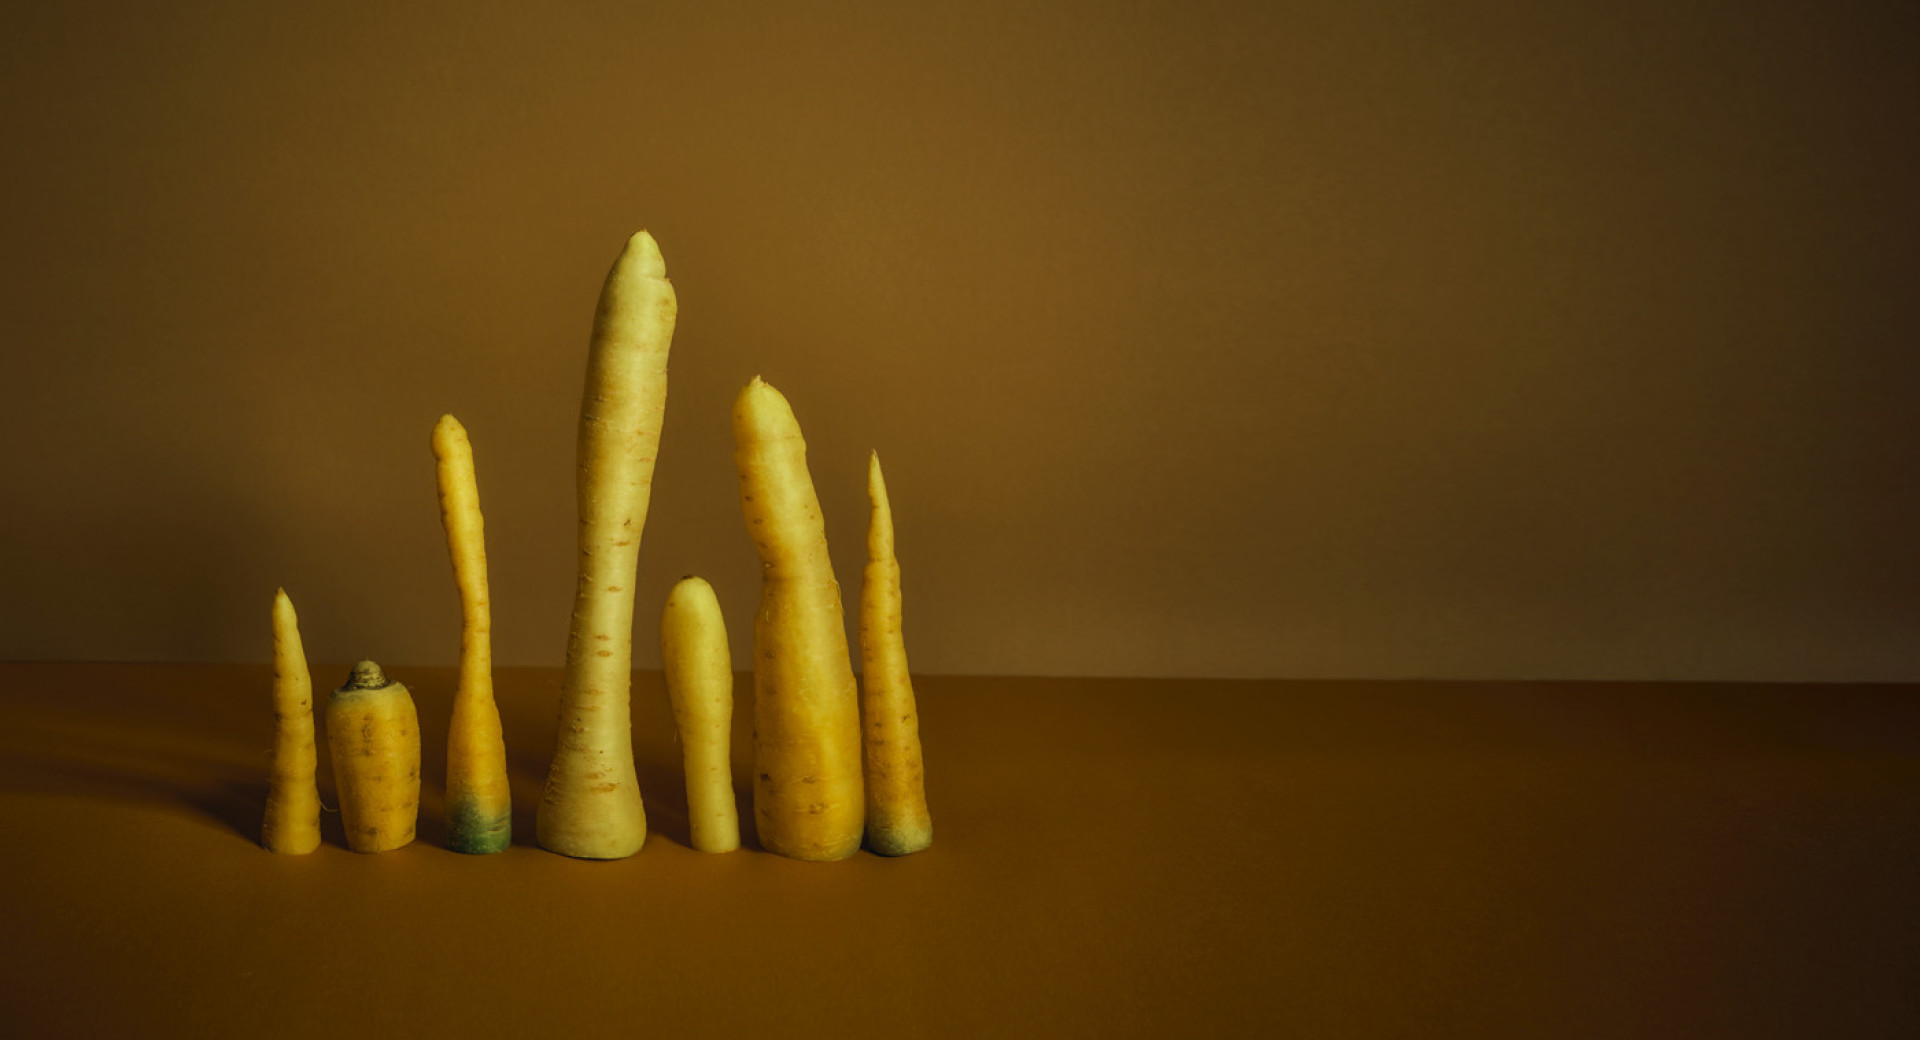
point(526, 779)
point(233, 797)
point(664, 787)
point(239, 804)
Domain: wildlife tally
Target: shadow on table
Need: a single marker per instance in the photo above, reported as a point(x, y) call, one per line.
point(230, 793)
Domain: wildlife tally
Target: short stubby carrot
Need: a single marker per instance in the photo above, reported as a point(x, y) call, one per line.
point(373, 734)
point(699, 674)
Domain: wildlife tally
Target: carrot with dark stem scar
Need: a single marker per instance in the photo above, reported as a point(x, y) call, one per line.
point(374, 736)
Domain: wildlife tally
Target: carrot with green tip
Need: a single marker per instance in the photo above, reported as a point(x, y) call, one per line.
point(374, 736)
point(897, 819)
point(591, 806)
point(699, 673)
point(479, 802)
point(293, 795)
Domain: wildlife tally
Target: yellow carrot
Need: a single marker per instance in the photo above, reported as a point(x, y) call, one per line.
point(374, 736)
point(591, 806)
point(807, 802)
point(293, 796)
point(479, 804)
point(897, 818)
point(699, 672)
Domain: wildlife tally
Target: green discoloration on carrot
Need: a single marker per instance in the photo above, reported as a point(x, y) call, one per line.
point(476, 747)
point(472, 830)
point(897, 819)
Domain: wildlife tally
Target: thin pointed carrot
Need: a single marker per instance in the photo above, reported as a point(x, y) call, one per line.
point(293, 795)
point(897, 819)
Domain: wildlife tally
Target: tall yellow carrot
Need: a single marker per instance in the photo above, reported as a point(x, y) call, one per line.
point(699, 673)
point(591, 806)
point(293, 795)
point(897, 818)
point(479, 803)
point(807, 800)
point(373, 734)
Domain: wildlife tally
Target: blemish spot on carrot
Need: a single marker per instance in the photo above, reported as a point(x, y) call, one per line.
point(613, 588)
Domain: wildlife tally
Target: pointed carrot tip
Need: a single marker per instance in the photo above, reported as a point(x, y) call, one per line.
point(644, 252)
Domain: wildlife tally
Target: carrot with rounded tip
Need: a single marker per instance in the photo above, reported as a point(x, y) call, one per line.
point(897, 819)
point(591, 806)
point(293, 795)
point(808, 802)
point(479, 803)
point(699, 671)
point(374, 736)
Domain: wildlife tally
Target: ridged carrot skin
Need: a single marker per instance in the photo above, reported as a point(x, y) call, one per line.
point(293, 795)
point(374, 736)
point(479, 802)
point(591, 805)
point(808, 801)
point(897, 819)
point(699, 674)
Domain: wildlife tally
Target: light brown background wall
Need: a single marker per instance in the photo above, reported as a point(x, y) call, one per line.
point(1495, 339)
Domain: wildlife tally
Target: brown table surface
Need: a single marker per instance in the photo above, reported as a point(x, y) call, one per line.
point(1112, 858)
